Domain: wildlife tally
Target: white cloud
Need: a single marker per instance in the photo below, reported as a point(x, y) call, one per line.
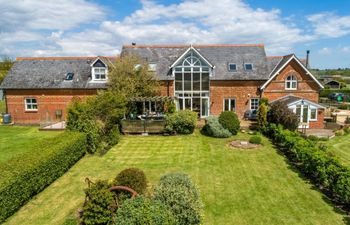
point(190, 21)
point(330, 25)
point(345, 49)
point(325, 51)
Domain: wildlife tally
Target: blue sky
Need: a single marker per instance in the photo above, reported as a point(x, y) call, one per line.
point(92, 27)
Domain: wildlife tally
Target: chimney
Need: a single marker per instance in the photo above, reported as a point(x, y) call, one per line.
point(133, 43)
point(307, 59)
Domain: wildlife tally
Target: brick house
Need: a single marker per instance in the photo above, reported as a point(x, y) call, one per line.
point(38, 90)
point(207, 79)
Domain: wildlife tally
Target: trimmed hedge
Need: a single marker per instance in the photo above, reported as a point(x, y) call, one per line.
point(325, 171)
point(24, 176)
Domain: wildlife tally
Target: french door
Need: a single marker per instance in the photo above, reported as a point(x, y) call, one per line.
point(302, 112)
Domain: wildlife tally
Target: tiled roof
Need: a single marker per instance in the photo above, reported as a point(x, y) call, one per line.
point(218, 55)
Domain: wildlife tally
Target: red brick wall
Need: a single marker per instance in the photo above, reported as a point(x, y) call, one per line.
point(319, 123)
point(48, 102)
point(307, 88)
point(242, 91)
point(167, 88)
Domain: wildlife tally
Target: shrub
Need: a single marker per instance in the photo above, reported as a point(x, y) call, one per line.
point(262, 116)
point(256, 139)
point(182, 122)
point(99, 207)
point(24, 176)
point(141, 210)
point(213, 128)
point(133, 178)
point(229, 121)
point(180, 195)
point(339, 133)
point(279, 113)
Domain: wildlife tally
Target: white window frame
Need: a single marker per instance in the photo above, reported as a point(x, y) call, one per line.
point(99, 73)
point(230, 65)
point(292, 81)
point(245, 68)
point(313, 119)
point(31, 104)
point(229, 104)
point(251, 101)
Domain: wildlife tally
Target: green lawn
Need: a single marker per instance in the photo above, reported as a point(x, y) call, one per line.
point(340, 147)
point(237, 186)
point(15, 140)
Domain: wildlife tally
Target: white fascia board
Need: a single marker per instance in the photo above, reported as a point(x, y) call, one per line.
point(316, 105)
point(278, 71)
point(98, 58)
point(185, 53)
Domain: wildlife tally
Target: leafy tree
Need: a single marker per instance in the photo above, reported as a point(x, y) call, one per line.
point(262, 116)
point(279, 113)
point(5, 65)
point(131, 77)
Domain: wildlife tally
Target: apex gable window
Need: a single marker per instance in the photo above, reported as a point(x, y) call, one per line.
point(232, 67)
point(254, 103)
point(291, 83)
point(229, 104)
point(31, 104)
point(99, 71)
point(248, 66)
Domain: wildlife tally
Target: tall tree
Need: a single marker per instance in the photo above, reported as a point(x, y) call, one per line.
point(131, 77)
point(5, 65)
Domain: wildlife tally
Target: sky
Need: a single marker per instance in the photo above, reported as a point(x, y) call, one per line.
point(96, 27)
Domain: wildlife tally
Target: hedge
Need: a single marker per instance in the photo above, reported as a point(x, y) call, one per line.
point(324, 170)
point(26, 175)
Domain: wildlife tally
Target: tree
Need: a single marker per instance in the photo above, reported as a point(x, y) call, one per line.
point(5, 65)
point(262, 116)
point(131, 77)
point(279, 113)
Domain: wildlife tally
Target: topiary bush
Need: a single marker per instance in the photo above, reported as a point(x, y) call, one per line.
point(182, 122)
point(262, 116)
point(133, 178)
point(141, 210)
point(213, 128)
point(256, 139)
point(180, 195)
point(99, 207)
point(230, 121)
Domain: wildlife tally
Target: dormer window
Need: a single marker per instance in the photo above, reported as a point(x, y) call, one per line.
point(248, 66)
point(232, 67)
point(99, 70)
point(291, 83)
point(69, 76)
point(152, 67)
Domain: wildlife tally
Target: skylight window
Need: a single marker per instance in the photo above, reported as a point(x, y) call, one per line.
point(152, 67)
point(232, 67)
point(248, 66)
point(69, 76)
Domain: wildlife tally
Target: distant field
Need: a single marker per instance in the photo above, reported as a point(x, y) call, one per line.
point(16, 140)
point(340, 147)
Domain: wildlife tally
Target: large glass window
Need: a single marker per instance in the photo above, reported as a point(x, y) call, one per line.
point(192, 84)
point(229, 104)
point(254, 103)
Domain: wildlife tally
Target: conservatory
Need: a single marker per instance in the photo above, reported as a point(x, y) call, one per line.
point(192, 83)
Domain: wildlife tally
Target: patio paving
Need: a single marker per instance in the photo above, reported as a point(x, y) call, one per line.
point(320, 133)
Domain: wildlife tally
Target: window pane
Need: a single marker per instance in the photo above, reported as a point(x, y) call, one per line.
point(205, 81)
point(232, 67)
point(178, 81)
point(226, 105)
point(187, 81)
point(313, 114)
point(232, 104)
point(248, 66)
point(196, 81)
point(294, 85)
point(181, 106)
